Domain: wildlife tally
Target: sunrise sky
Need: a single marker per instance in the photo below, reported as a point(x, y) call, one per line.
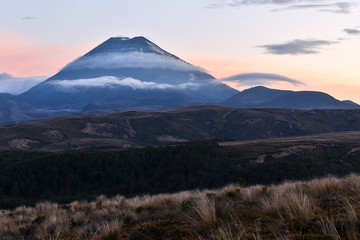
point(312, 44)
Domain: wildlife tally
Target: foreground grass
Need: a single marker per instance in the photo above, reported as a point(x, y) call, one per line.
point(327, 208)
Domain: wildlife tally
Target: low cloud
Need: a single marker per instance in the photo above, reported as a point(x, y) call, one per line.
point(131, 60)
point(17, 85)
point(251, 79)
point(297, 47)
point(332, 6)
point(352, 31)
point(110, 81)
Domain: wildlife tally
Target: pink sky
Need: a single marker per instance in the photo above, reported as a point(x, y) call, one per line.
point(24, 56)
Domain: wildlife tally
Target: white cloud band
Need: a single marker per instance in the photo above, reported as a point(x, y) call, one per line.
point(110, 81)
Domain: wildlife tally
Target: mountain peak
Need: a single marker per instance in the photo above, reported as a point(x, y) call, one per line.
point(137, 58)
point(126, 44)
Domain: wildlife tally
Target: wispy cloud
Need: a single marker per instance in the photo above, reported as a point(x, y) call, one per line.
point(28, 18)
point(320, 5)
point(18, 85)
point(110, 81)
point(251, 79)
point(297, 47)
point(131, 60)
point(264, 2)
point(352, 31)
point(302, 6)
point(339, 7)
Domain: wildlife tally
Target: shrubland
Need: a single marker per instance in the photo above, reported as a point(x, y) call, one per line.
point(30, 177)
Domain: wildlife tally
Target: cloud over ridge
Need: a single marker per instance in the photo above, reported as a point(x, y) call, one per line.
point(246, 79)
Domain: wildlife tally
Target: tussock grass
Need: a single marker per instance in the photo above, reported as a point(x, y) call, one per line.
point(327, 208)
point(203, 214)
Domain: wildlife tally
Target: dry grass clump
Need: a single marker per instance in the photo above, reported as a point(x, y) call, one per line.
point(327, 208)
point(104, 230)
point(203, 214)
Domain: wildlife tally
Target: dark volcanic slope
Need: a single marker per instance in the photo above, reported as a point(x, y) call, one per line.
point(179, 125)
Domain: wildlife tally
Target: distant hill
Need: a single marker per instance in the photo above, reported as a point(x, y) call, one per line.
point(136, 128)
point(266, 97)
point(12, 111)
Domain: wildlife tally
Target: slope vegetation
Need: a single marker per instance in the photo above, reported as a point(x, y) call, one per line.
point(30, 177)
point(319, 209)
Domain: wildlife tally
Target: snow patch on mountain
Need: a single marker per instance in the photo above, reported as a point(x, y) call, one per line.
point(155, 48)
point(131, 60)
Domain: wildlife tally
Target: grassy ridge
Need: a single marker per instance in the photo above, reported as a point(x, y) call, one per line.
point(180, 125)
point(29, 177)
point(325, 209)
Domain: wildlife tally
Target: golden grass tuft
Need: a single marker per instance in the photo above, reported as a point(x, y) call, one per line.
point(203, 214)
point(327, 208)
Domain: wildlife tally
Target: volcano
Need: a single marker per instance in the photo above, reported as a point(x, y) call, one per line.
point(127, 73)
point(124, 74)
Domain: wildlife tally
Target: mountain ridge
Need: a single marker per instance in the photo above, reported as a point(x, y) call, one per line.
point(265, 97)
